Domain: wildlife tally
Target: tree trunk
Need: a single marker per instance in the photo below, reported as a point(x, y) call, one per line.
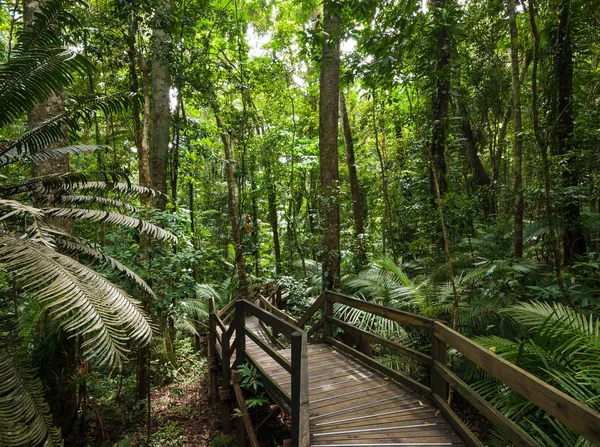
point(480, 175)
point(328, 144)
point(357, 210)
point(518, 132)
point(441, 97)
point(144, 150)
point(161, 113)
point(273, 220)
point(240, 264)
point(573, 238)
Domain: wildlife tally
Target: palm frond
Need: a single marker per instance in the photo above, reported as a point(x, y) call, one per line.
point(82, 300)
point(74, 246)
point(88, 200)
point(25, 417)
point(33, 77)
point(111, 218)
point(13, 155)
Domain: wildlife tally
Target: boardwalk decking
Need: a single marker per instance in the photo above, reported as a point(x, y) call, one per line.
point(336, 396)
point(351, 405)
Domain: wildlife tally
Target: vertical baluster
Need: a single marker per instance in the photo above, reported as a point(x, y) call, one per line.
point(300, 416)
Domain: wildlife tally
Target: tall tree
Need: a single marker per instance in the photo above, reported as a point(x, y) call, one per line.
point(328, 143)
point(357, 209)
point(441, 94)
point(518, 132)
point(573, 237)
point(161, 113)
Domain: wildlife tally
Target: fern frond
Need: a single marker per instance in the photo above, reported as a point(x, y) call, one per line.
point(111, 218)
point(88, 200)
point(82, 300)
point(44, 156)
point(25, 417)
point(33, 77)
point(74, 246)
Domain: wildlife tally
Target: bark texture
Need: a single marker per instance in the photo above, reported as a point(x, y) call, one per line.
point(328, 144)
point(161, 113)
point(441, 97)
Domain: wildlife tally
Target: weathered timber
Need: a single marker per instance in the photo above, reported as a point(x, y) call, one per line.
point(275, 322)
point(398, 316)
point(318, 325)
point(249, 429)
point(285, 364)
point(277, 312)
point(311, 311)
point(397, 348)
point(299, 404)
point(399, 377)
point(465, 433)
point(508, 428)
point(582, 419)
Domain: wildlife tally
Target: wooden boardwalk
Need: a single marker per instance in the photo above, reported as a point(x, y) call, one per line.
point(337, 396)
point(351, 405)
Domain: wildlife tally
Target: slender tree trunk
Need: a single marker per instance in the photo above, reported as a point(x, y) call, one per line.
point(441, 97)
point(232, 206)
point(273, 220)
point(161, 113)
point(573, 238)
point(144, 149)
point(386, 227)
point(328, 143)
point(480, 175)
point(357, 209)
point(518, 132)
point(543, 145)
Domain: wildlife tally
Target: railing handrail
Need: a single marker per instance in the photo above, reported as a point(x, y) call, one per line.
point(582, 419)
point(298, 366)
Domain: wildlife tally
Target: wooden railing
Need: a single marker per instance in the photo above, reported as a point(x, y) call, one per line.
point(580, 418)
point(294, 403)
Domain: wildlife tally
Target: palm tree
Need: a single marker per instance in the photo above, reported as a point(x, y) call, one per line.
point(41, 260)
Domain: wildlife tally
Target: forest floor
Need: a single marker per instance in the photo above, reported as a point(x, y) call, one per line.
point(182, 413)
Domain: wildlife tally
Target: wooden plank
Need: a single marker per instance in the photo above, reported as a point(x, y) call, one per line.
point(401, 378)
point(245, 416)
point(386, 312)
point(270, 336)
point(299, 405)
point(274, 310)
point(226, 309)
point(463, 431)
point(313, 330)
point(579, 417)
point(311, 311)
point(505, 425)
point(408, 352)
point(279, 395)
point(282, 361)
point(240, 339)
point(439, 351)
point(275, 322)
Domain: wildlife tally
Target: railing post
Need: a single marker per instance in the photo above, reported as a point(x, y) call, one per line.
point(328, 311)
point(438, 353)
point(224, 391)
point(240, 332)
point(299, 407)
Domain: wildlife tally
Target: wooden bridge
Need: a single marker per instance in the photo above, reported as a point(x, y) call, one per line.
point(336, 396)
